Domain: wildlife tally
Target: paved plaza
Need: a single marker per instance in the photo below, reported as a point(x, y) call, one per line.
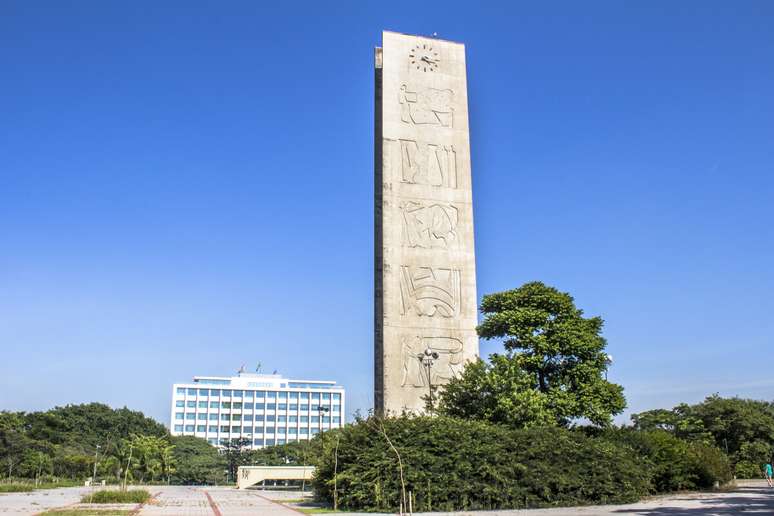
point(750, 497)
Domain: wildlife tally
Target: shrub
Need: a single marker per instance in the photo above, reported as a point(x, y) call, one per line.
point(451, 464)
point(674, 464)
point(116, 496)
point(747, 469)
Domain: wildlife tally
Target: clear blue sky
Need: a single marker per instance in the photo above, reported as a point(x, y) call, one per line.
point(188, 186)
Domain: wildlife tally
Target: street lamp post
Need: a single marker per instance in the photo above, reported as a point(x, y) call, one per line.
point(608, 363)
point(427, 358)
point(94, 476)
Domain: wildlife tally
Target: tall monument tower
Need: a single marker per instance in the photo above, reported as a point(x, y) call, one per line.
point(425, 270)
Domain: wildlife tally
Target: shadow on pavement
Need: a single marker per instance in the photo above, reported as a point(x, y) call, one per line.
point(744, 500)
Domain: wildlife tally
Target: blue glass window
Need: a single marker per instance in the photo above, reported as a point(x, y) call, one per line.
point(226, 392)
point(224, 417)
point(336, 419)
point(201, 416)
point(304, 431)
point(204, 392)
point(190, 415)
point(191, 404)
point(180, 403)
point(202, 404)
point(224, 442)
point(213, 417)
point(271, 406)
point(293, 395)
point(315, 419)
point(237, 405)
point(225, 404)
point(270, 418)
point(249, 395)
point(292, 430)
point(201, 428)
point(260, 394)
point(237, 394)
point(178, 428)
point(337, 408)
point(214, 392)
point(189, 428)
point(326, 396)
point(236, 429)
point(269, 430)
point(293, 406)
point(247, 417)
point(304, 407)
point(280, 441)
point(181, 390)
point(280, 429)
point(336, 396)
point(213, 441)
point(315, 408)
point(281, 419)
point(235, 417)
point(214, 404)
point(224, 429)
point(326, 419)
point(259, 417)
point(304, 395)
point(192, 392)
point(292, 419)
point(212, 428)
point(282, 406)
point(258, 442)
point(315, 431)
point(178, 415)
point(260, 406)
point(315, 396)
point(283, 395)
point(271, 395)
point(304, 419)
point(269, 442)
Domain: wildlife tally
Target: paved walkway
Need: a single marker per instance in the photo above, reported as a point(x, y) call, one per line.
point(751, 497)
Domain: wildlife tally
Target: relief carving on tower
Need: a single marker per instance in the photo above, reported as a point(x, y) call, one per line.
point(448, 365)
point(428, 106)
point(429, 225)
point(428, 164)
point(429, 291)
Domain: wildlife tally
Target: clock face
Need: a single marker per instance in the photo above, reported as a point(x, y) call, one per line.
point(424, 58)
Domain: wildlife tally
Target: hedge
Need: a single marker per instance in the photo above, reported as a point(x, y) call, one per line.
point(451, 464)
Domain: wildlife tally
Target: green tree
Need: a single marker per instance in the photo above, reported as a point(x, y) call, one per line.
point(553, 368)
point(197, 462)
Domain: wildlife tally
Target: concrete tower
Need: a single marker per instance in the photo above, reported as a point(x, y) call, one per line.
point(425, 270)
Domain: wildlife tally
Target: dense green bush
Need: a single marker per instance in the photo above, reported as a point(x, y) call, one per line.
point(116, 496)
point(674, 464)
point(451, 464)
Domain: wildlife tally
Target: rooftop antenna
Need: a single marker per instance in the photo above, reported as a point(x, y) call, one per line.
point(242, 369)
point(258, 368)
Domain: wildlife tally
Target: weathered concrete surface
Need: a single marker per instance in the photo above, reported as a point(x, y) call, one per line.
point(425, 270)
point(750, 497)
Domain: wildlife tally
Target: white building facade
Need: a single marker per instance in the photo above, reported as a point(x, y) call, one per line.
point(265, 409)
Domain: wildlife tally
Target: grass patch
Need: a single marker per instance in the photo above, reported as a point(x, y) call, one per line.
point(316, 510)
point(85, 512)
point(116, 496)
point(16, 488)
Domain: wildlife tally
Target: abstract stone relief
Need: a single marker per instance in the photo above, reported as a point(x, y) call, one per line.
point(428, 164)
point(429, 225)
point(449, 364)
point(427, 106)
point(429, 292)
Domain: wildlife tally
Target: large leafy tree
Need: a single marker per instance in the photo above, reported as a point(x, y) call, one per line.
point(552, 370)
